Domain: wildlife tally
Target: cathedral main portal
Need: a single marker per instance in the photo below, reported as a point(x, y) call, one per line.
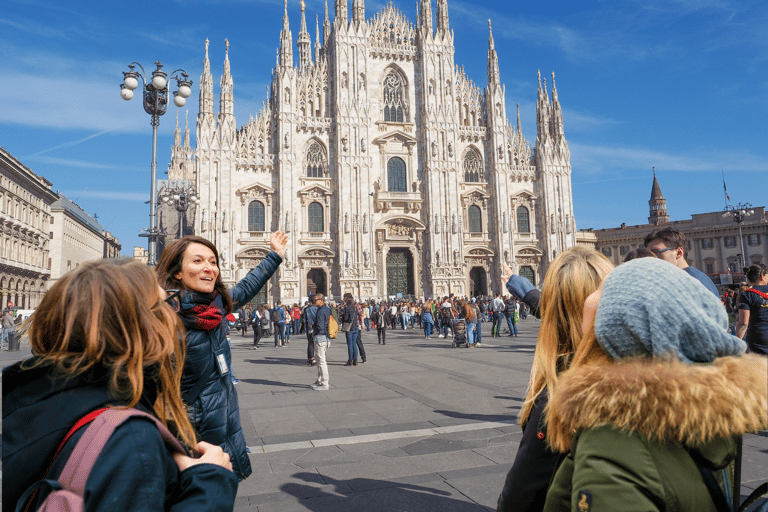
point(477, 282)
point(316, 282)
point(399, 272)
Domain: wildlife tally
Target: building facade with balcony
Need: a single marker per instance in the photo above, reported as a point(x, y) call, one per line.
point(713, 244)
point(25, 213)
point(392, 172)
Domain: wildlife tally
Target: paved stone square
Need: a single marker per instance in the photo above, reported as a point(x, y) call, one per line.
point(420, 426)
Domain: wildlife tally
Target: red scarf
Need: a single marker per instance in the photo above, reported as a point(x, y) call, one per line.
point(207, 313)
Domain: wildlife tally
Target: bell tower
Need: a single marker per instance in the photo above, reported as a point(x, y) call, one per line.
point(658, 205)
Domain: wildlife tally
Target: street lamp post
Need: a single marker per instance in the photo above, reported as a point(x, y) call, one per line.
point(739, 213)
point(155, 104)
point(180, 198)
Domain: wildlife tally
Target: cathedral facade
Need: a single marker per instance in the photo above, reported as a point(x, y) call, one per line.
point(392, 172)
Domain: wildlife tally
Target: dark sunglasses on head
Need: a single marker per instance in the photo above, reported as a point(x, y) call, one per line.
point(173, 299)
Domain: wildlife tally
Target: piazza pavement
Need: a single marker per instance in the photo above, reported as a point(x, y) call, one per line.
point(420, 426)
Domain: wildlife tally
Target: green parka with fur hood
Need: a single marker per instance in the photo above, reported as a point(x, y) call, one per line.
point(628, 428)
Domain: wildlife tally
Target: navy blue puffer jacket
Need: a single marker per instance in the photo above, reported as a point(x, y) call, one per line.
point(214, 412)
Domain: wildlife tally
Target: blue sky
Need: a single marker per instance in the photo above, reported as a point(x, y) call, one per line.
point(680, 85)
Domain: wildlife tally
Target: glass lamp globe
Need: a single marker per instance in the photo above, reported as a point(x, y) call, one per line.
point(126, 94)
point(159, 82)
point(179, 100)
point(185, 91)
point(131, 82)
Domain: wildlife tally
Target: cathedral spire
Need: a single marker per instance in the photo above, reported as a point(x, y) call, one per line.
point(176, 132)
point(358, 11)
point(286, 41)
point(493, 58)
point(326, 26)
point(225, 96)
point(341, 12)
point(519, 128)
point(657, 204)
point(317, 39)
point(557, 113)
point(186, 131)
point(442, 16)
point(304, 42)
point(206, 85)
point(426, 15)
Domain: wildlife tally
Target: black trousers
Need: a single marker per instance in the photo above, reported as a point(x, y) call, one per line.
point(257, 333)
point(310, 347)
point(359, 342)
point(382, 334)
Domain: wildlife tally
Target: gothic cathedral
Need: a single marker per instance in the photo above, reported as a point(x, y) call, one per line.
point(392, 172)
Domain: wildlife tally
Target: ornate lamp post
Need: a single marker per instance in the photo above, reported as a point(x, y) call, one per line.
point(180, 198)
point(739, 213)
point(155, 103)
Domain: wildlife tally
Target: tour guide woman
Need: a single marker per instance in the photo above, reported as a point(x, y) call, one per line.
point(191, 265)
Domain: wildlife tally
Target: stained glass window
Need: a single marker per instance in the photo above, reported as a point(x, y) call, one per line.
point(393, 99)
point(528, 273)
point(316, 218)
point(256, 220)
point(475, 220)
point(316, 161)
point(396, 175)
point(523, 224)
point(473, 167)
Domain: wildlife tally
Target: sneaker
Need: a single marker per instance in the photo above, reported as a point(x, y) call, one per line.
point(320, 388)
point(255, 347)
point(440, 336)
point(478, 344)
point(235, 381)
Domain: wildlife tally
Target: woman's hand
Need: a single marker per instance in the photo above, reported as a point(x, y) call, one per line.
point(507, 273)
point(278, 241)
point(209, 454)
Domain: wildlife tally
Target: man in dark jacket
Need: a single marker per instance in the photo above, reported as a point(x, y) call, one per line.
point(278, 323)
point(510, 307)
point(308, 319)
point(322, 342)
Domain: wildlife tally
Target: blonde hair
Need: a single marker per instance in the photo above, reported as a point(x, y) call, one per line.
point(109, 314)
point(571, 278)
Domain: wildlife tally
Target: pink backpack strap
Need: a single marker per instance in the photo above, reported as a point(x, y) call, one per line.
point(91, 444)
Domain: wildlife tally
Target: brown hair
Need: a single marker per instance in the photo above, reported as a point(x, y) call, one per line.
point(571, 278)
point(671, 236)
point(755, 272)
point(109, 314)
point(171, 262)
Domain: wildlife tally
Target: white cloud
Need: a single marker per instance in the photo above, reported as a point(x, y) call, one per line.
point(70, 163)
point(107, 194)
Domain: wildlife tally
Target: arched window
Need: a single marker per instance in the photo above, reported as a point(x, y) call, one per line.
point(475, 219)
point(317, 164)
point(256, 221)
point(473, 167)
point(396, 175)
point(316, 218)
point(528, 273)
point(393, 98)
point(523, 224)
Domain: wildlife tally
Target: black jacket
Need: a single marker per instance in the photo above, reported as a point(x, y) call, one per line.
point(215, 412)
point(134, 472)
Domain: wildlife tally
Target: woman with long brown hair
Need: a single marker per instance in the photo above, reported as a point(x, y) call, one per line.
point(571, 278)
point(103, 337)
point(191, 265)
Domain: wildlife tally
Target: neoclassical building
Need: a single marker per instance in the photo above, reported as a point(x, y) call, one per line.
point(391, 170)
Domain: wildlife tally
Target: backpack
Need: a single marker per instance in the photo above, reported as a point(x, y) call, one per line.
point(333, 327)
point(276, 315)
point(67, 492)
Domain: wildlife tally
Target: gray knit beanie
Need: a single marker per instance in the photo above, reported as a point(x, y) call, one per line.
point(650, 307)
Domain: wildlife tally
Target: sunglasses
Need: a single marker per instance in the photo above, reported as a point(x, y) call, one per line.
point(658, 252)
point(173, 299)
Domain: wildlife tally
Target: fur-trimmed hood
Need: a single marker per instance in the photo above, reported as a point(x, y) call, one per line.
point(662, 399)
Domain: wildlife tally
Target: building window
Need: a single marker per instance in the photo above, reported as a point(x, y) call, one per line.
point(316, 218)
point(393, 98)
point(473, 167)
point(523, 225)
point(256, 220)
point(710, 268)
point(528, 273)
point(730, 241)
point(706, 243)
point(606, 252)
point(623, 250)
point(396, 175)
point(475, 220)
point(753, 239)
point(317, 164)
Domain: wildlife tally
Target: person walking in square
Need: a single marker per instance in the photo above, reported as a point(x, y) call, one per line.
point(322, 342)
point(349, 319)
point(382, 321)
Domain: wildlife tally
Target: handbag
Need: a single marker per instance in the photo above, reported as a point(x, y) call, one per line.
point(346, 326)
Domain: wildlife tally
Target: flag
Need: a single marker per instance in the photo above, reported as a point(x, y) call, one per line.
point(727, 197)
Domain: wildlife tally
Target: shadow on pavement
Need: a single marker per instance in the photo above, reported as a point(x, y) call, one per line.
point(351, 495)
point(477, 417)
point(264, 382)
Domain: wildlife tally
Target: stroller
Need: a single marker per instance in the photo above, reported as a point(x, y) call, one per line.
point(459, 328)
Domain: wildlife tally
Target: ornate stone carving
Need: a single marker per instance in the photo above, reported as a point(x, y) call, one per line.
point(398, 230)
